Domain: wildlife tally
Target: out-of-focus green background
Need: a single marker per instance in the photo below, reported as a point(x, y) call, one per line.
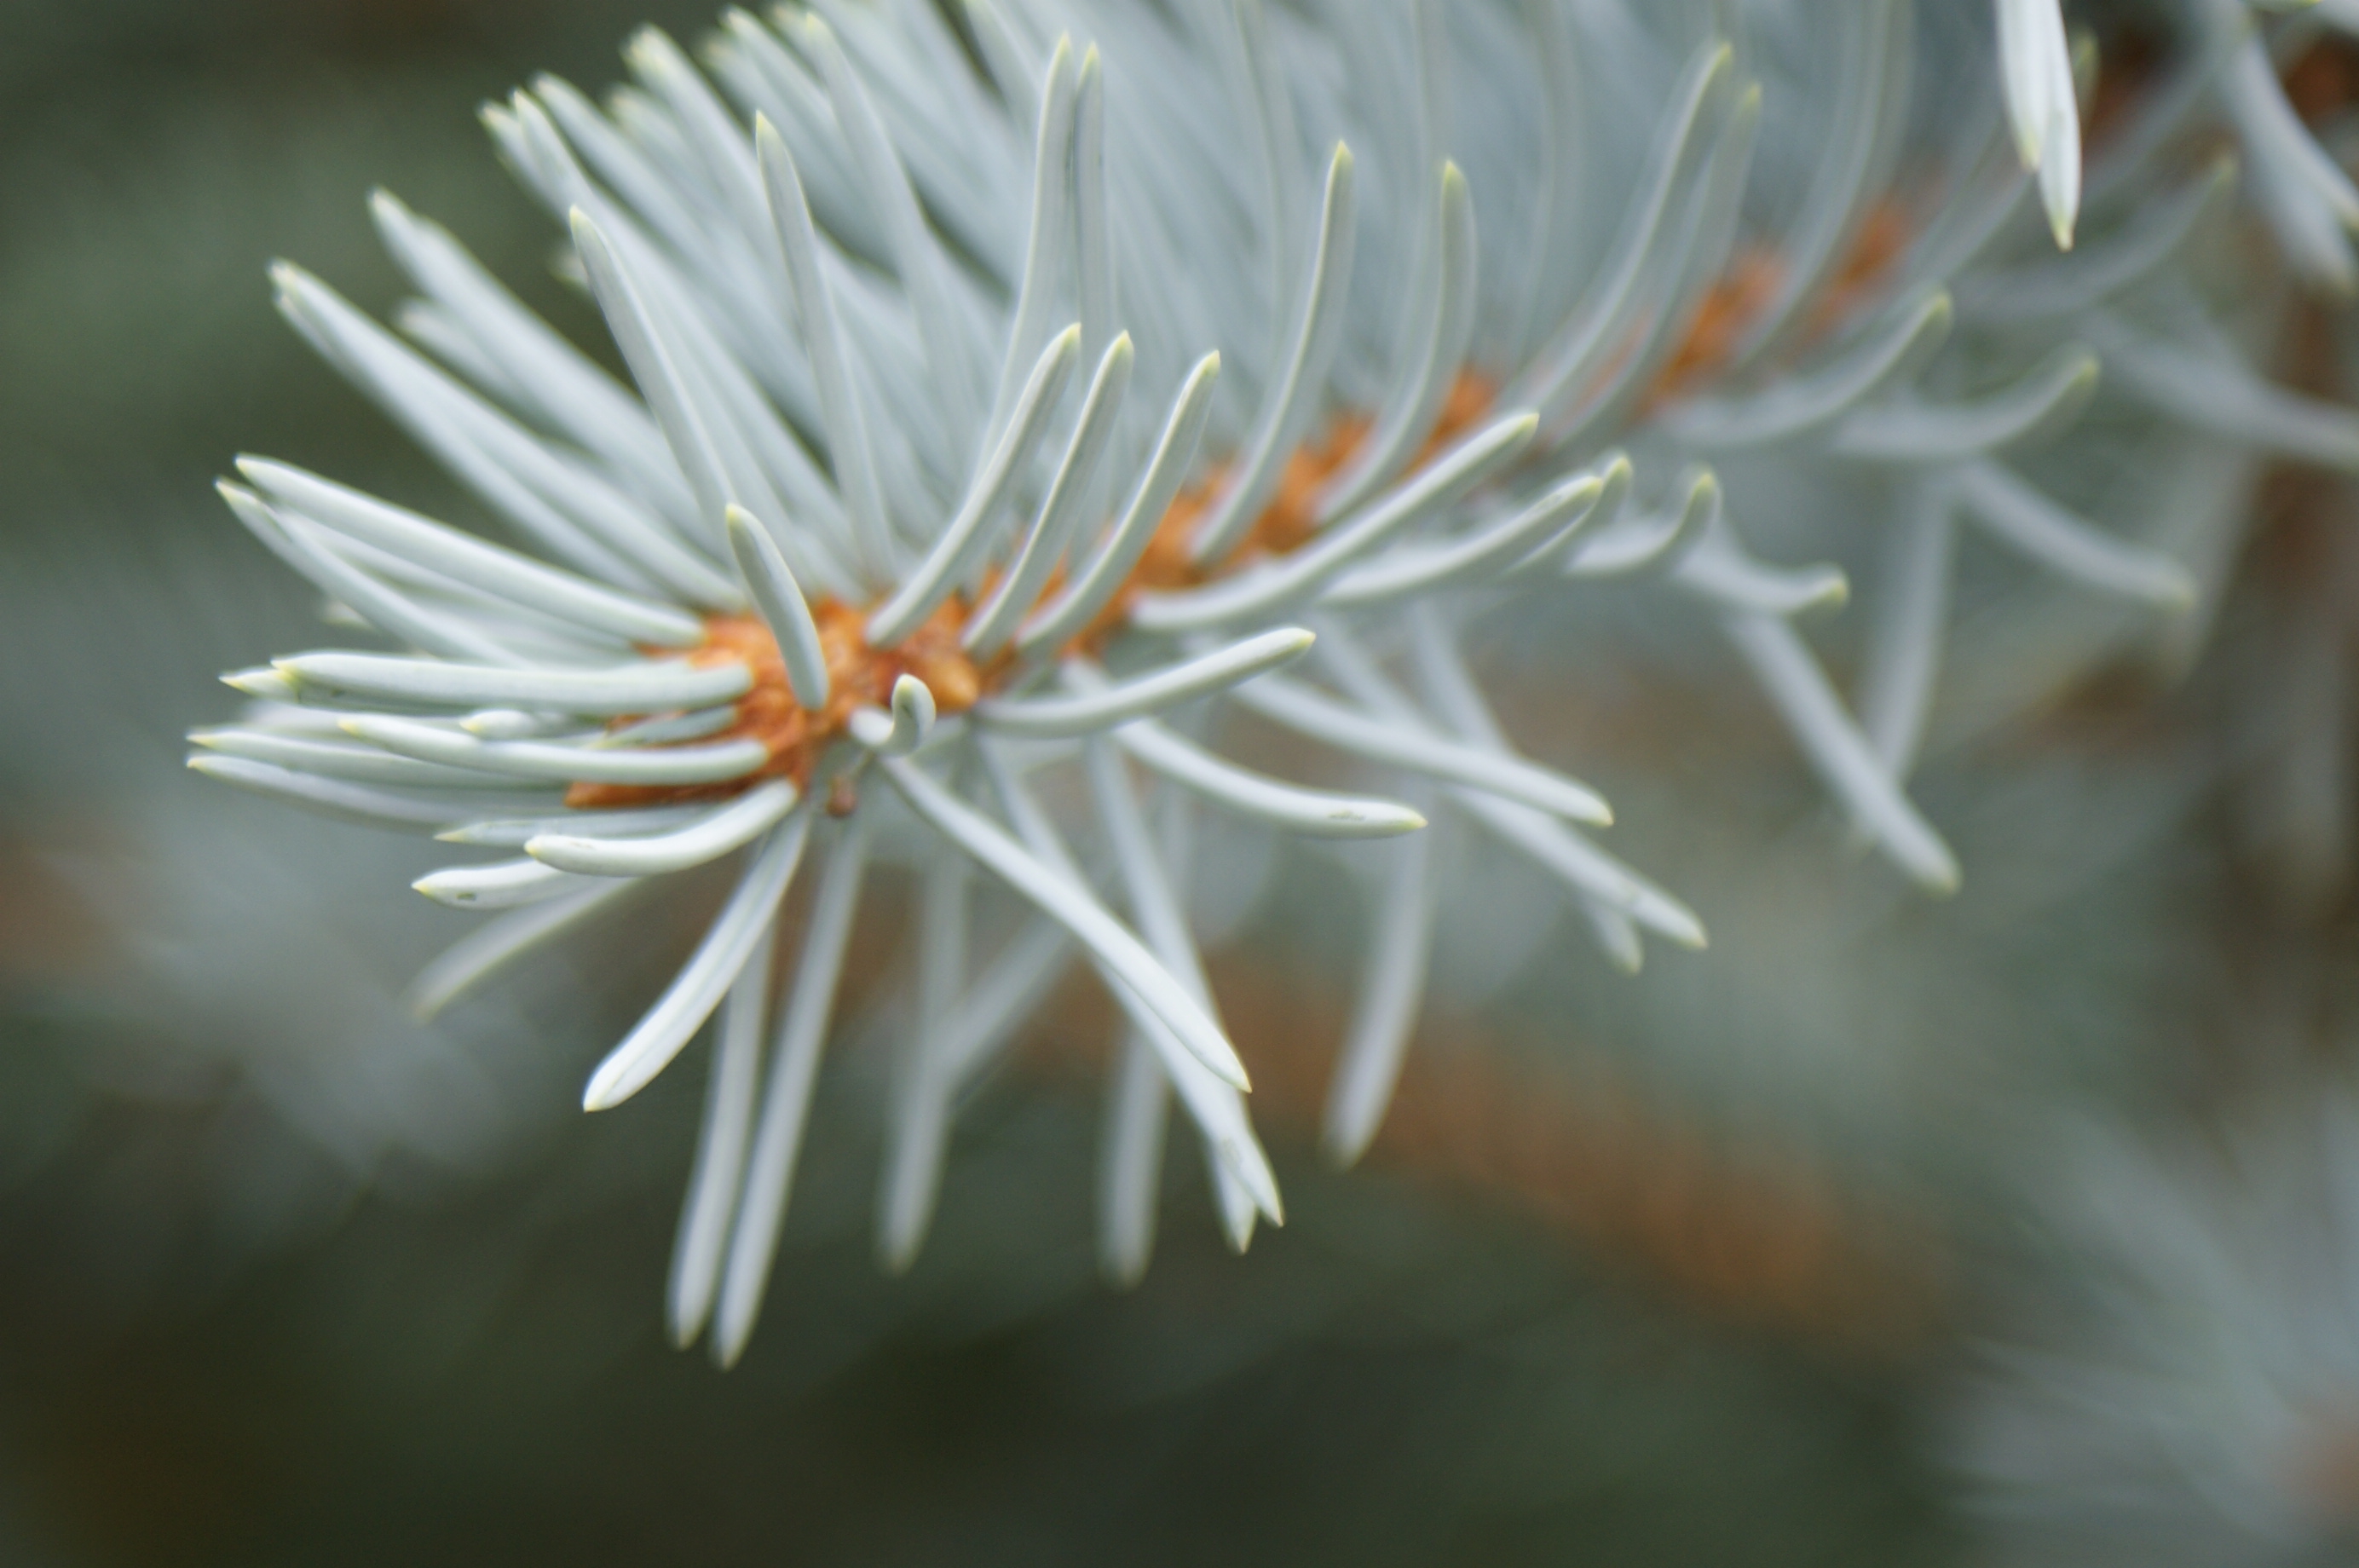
point(432, 1334)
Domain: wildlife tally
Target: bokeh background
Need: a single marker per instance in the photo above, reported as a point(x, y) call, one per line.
point(1690, 1269)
